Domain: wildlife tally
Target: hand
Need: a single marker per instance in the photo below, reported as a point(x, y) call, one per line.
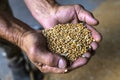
point(71, 14)
point(64, 14)
point(34, 44)
point(48, 13)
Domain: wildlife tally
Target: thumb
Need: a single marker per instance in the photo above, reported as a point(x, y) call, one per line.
point(86, 16)
point(53, 60)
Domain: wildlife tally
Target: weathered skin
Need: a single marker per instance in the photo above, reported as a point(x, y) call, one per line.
point(48, 13)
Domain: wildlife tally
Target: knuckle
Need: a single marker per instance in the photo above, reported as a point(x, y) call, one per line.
point(82, 9)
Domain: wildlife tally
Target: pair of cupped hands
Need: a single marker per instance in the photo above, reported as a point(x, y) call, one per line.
point(35, 44)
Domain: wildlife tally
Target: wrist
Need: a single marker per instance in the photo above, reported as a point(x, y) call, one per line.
point(34, 41)
point(41, 9)
point(13, 30)
point(21, 40)
point(29, 41)
point(19, 31)
point(40, 6)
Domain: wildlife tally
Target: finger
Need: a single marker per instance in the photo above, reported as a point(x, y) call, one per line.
point(78, 63)
point(86, 55)
point(96, 35)
point(75, 21)
point(48, 69)
point(51, 59)
point(85, 16)
point(94, 45)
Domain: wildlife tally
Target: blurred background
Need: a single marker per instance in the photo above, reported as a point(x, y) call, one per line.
point(105, 64)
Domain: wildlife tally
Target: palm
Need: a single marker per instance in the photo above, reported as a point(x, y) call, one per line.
point(71, 14)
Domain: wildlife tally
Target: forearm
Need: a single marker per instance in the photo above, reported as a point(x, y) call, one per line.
point(40, 6)
point(42, 10)
point(13, 30)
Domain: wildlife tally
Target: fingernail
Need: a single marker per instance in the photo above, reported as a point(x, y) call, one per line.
point(83, 56)
point(95, 21)
point(86, 55)
point(61, 63)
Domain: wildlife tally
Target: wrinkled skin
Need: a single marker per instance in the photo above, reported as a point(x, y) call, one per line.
point(35, 44)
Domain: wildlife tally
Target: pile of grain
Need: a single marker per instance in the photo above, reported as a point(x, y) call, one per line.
point(69, 40)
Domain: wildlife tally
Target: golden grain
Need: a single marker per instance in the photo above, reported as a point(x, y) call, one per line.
point(69, 40)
